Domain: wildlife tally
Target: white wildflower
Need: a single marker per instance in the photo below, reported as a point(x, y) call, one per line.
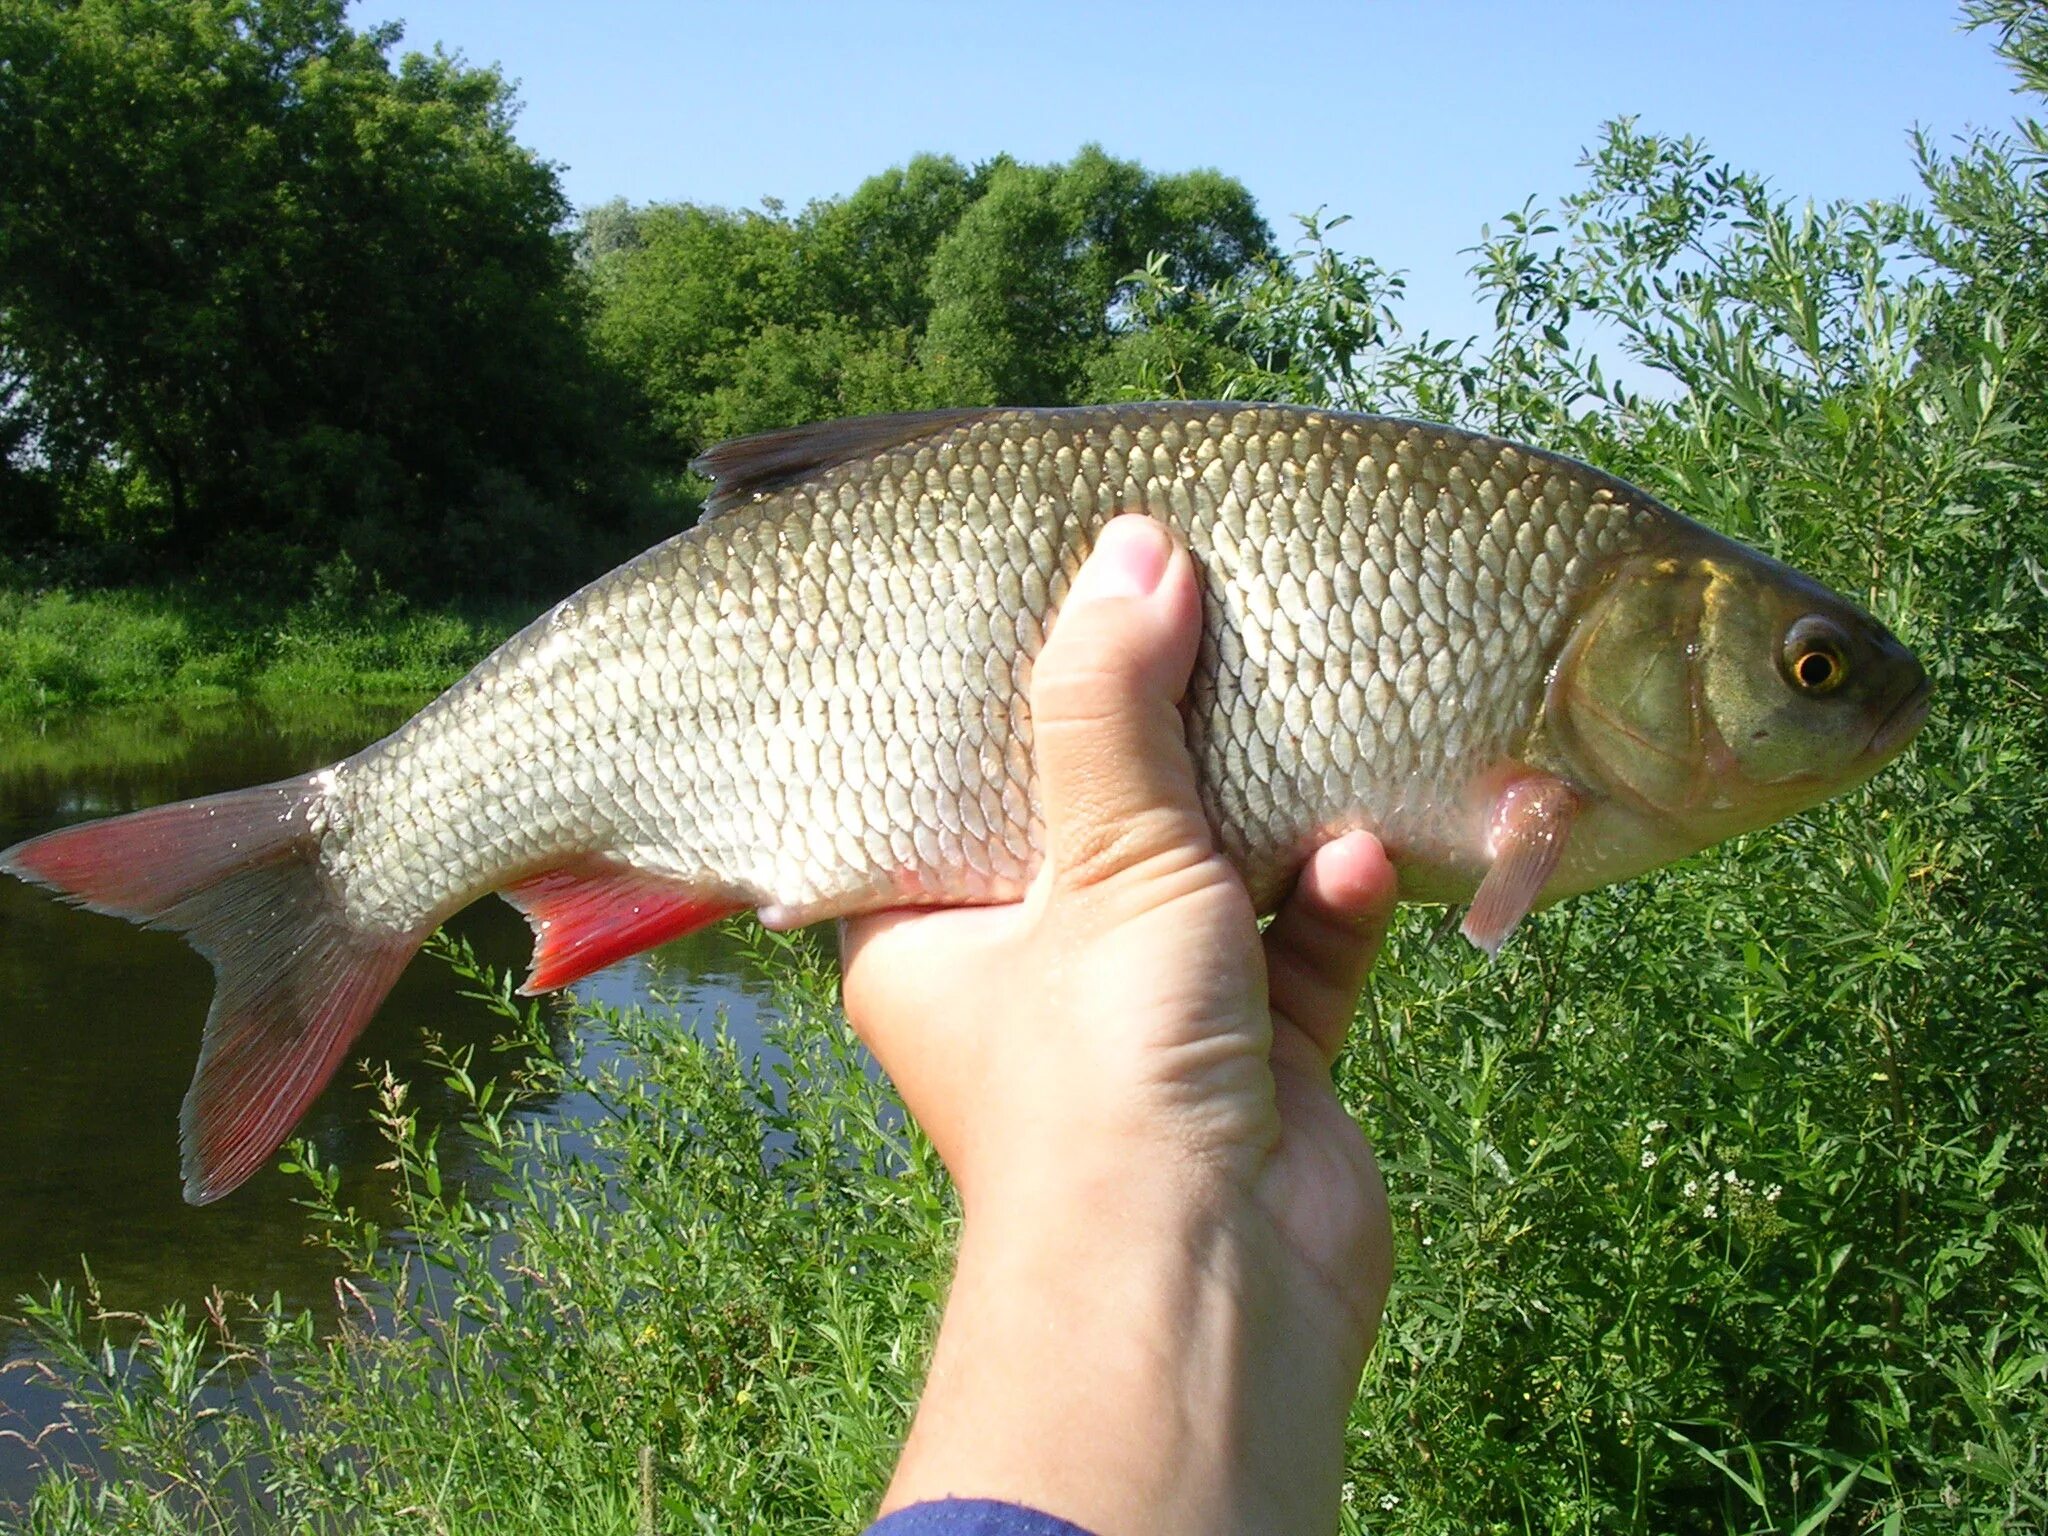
point(1692, 1187)
point(1390, 1501)
point(1774, 1192)
point(1709, 1211)
point(1649, 1158)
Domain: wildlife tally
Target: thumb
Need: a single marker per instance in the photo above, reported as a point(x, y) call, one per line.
point(1115, 779)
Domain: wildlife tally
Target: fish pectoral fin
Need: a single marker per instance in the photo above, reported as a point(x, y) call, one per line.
point(1530, 823)
point(592, 912)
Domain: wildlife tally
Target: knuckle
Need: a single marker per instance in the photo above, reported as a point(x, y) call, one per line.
point(1087, 693)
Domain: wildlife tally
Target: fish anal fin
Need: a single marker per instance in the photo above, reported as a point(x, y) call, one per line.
point(594, 912)
point(1531, 819)
point(746, 467)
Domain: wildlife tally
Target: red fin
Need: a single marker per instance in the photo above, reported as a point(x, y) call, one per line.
point(283, 1018)
point(1531, 820)
point(294, 982)
point(591, 913)
point(141, 866)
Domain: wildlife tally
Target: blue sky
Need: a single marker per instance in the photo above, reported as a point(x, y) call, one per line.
point(1423, 121)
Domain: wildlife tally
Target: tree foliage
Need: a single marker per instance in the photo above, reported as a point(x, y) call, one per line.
point(266, 297)
point(931, 284)
point(271, 302)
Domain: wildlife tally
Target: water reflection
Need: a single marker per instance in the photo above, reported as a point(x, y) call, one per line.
point(99, 1029)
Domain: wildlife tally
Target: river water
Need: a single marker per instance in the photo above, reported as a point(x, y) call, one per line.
point(99, 1030)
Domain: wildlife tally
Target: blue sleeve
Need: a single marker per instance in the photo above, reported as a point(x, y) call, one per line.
point(971, 1517)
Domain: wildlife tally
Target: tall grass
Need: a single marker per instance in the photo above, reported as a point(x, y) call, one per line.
point(731, 1267)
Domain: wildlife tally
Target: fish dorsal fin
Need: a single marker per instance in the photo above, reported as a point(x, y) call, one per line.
point(746, 467)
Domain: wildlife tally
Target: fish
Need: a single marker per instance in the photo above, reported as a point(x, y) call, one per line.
point(1526, 676)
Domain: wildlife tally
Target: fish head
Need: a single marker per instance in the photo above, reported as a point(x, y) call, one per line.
point(1706, 690)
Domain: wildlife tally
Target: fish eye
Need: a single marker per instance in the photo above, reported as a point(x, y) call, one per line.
point(1814, 655)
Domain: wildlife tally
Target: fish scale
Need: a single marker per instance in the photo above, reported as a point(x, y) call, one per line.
point(816, 702)
point(939, 576)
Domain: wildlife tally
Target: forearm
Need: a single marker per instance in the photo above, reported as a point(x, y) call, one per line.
point(1129, 1361)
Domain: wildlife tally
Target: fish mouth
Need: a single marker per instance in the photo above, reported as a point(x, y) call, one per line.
point(1906, 717)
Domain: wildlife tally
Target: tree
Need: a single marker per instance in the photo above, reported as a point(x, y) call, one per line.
point(1032, 284)
point(270, 298)
point(932, 284)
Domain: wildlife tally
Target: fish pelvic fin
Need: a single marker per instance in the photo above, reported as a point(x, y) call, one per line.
point(591, 912)
point(1531, 820)
point(240, 876)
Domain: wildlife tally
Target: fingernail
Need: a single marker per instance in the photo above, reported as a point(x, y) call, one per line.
point(1128, 560)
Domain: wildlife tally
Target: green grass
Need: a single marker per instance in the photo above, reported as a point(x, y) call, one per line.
point(63, 651)
point(1720, 1202)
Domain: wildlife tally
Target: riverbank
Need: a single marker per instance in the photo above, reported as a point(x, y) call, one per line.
point(63, 651)
point(1650, 1271)
point(1720, 1198)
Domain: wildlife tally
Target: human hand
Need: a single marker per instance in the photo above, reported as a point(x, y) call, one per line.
point(1175, 1247)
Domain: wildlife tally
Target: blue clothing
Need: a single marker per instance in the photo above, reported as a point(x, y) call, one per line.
point(971, 1517)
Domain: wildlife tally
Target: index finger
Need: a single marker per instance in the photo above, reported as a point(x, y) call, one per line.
point(1328, 932)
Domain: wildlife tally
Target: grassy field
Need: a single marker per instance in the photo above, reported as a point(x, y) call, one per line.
point(63, 651)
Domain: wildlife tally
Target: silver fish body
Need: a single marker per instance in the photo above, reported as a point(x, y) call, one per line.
point(815, 702)
point(1527, 677)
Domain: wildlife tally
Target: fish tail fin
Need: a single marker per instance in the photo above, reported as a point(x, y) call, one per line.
point(240, 876)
